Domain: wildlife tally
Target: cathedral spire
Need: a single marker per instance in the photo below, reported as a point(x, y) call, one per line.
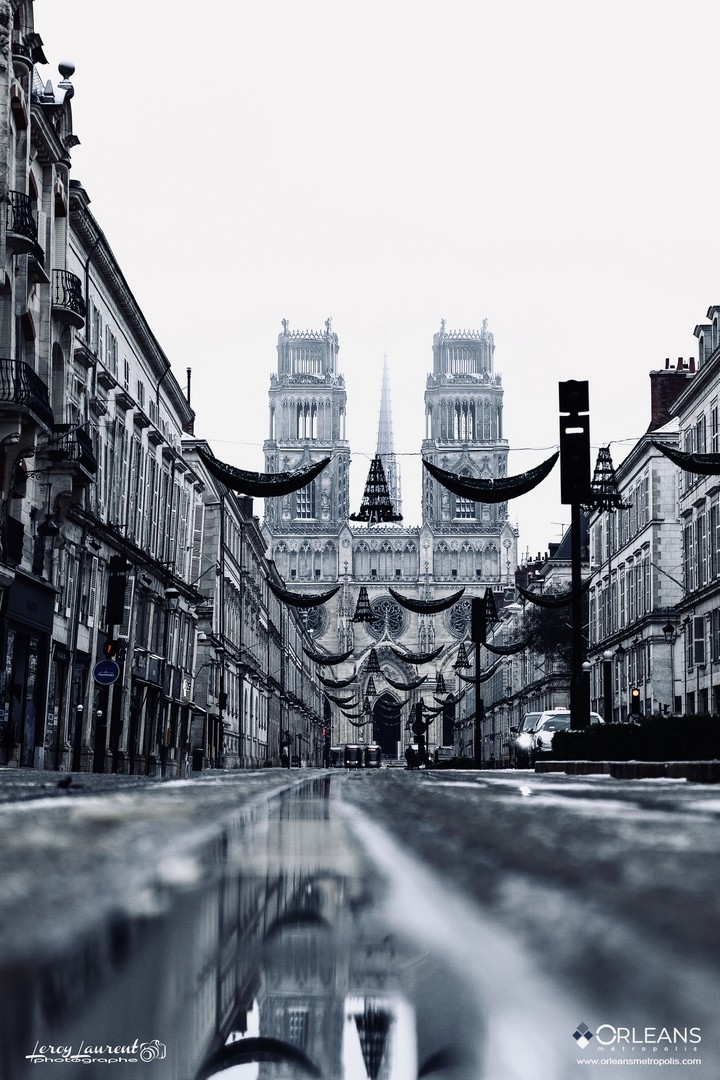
point(385, 445)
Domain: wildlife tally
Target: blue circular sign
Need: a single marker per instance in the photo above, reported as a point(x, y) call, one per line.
point(106, 672)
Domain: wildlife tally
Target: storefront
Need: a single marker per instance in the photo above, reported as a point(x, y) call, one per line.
point(26, 639)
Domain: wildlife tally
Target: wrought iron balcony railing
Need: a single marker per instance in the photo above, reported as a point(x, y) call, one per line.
point(22, 230)
point(68, 302)
point(20, 386)
point(73, 445)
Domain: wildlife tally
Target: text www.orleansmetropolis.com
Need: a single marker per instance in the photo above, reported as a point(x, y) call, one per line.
point(639, 1061)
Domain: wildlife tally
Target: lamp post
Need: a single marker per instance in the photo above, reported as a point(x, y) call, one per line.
point(586, 668)
point(607, 658)
point(670, 636)
point(77, 738)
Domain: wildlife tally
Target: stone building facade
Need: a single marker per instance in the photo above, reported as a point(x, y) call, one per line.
point(459, 545)
point(636, 590)
point(102, 511)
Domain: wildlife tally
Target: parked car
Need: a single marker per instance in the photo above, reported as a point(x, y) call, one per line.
point(543, 731)
point(521, 741)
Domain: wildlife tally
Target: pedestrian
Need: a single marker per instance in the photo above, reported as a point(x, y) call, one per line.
point(410, 757)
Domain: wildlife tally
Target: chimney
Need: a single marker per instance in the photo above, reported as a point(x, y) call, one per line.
point(665, 388)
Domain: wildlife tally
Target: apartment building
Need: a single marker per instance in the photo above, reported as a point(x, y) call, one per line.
point(102, 512)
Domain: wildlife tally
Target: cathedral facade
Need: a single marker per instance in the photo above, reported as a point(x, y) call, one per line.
point(460, 548)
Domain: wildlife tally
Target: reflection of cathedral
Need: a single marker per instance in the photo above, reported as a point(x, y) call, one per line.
point(459, 543)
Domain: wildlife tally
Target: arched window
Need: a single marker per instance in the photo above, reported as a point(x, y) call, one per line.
point(304, 560)
point(329, 560)
point(385, 560)
point(409, 560)
point(282, 560)
point(466, 561)
point(442, 560)
point(491, 563)
point(362, 560)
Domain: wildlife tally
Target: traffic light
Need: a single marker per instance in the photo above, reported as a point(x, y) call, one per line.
point(635, 701)
point(478, 619)
point(109, 649)
point(574, 442)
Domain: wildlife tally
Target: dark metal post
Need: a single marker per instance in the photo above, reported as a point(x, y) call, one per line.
point(575, 490)
point(607, 687)
point(479, 744)
point(579, 685)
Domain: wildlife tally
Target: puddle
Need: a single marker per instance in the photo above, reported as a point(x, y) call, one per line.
point(327, 984)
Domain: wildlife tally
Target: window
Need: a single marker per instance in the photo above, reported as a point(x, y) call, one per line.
point(111, 351)
point(297, 1020)
point(305, 502)
point(698, 639)
point(701, 549)
point(688, 557)
point(96, 331)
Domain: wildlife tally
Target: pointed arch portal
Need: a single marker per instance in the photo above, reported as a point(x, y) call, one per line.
point(386, 729)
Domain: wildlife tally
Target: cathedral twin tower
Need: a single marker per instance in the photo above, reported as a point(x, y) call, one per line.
point(313, 538)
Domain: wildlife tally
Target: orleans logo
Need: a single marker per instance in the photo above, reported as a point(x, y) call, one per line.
point(582, 1034)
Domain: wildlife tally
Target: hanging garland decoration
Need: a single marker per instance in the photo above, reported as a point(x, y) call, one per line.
point(451, 699)
point(389, 709)
point(349, 715)
point(493, 490)
point(484, 677)
point(432, 713)
point(337, 684)
point(405, 685)
point(346, 702)
point(417, 658)
point(549, 600)
point(356, 723)
point(386, 721)
point(302, 599)
point(508, 650)
point(427, 607)
point(705, 464)
point(327, 658)
point(263, 485)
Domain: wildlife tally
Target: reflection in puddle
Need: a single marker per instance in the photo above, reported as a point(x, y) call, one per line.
point(322, 983)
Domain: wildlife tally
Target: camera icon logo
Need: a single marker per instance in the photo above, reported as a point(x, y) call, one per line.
point(153, 1051)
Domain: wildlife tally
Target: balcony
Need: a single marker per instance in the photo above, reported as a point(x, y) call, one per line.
point(22, 230)
point(21, 387)
point(67, 300)
point(71, 445)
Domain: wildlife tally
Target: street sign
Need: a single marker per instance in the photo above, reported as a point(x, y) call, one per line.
point(106, 672)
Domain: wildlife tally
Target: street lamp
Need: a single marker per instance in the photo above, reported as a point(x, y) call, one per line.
point(669, 633)
point(585, 669)
point(607, 658)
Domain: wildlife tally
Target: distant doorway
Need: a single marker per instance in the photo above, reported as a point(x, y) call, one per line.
point(386, 724)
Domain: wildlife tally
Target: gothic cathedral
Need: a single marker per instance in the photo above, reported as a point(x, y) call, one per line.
point(393, 656)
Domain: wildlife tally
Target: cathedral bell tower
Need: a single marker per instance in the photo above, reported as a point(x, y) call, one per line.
point(463, 428)
point(307, 423)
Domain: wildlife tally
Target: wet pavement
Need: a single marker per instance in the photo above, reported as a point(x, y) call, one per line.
point(380, 924)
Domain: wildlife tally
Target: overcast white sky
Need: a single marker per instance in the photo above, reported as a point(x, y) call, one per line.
point(550, 167)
